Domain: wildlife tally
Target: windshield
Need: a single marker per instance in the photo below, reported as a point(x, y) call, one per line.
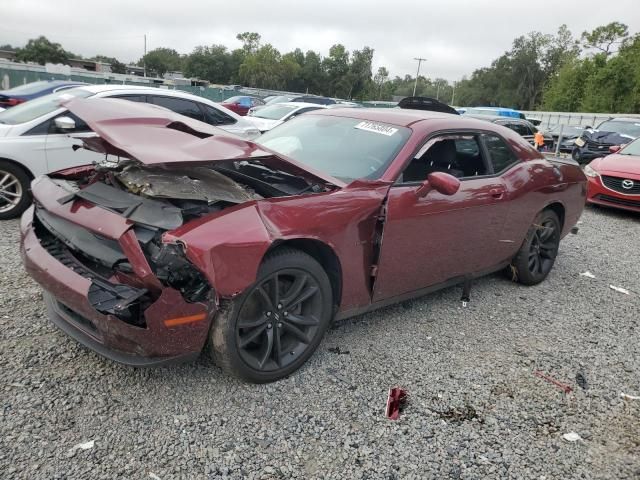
point(632, 148)
point(25, 112)
point(27, 89)
point(630, 129)
point(274, 112)
point(278, 99)
point(345, 148)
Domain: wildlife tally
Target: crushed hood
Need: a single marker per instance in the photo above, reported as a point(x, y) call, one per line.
point(153, 135)
point(606, 138)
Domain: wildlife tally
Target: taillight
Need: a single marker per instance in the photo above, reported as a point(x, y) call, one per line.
point(12, 102)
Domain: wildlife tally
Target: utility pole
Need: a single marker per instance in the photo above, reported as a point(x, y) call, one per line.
point(144, 63)
point(438, 91)
point(453, 94)
point(415, 85)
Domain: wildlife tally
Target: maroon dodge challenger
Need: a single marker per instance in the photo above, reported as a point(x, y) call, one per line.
point(182, 238)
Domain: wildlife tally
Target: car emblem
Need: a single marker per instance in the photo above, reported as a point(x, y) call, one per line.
point(627, 184)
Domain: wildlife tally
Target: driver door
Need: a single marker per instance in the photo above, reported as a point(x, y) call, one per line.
point(430, 240)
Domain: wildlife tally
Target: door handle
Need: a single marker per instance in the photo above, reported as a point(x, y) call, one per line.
point(497, 193)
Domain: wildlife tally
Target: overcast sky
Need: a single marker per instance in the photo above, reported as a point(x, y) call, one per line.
point(456, 36)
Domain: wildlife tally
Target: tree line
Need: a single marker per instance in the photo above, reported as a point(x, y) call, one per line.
point(598, 71)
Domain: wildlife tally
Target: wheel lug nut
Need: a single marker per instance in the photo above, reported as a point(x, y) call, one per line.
point(279, 325)
point(268, 314)
point(285, 313)
point(279, 306)
point(269, 325)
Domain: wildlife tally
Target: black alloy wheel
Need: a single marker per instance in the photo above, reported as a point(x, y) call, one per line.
point(543, 248)
point(279, 319)
point(271, 329)
point(538, 252)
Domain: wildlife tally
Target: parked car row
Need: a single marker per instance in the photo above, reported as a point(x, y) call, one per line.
point(29, 91)
point(244, 104)
point(595, 142)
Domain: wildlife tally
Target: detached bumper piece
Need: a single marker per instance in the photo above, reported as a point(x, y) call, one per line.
point(120, 300)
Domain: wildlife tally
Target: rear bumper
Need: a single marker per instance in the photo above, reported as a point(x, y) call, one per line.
point(598, 194)
point(69, 308)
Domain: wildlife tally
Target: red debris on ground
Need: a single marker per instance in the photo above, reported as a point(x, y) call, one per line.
point(395, 401)
point(565, 388)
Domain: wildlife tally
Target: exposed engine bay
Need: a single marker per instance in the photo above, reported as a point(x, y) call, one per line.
point(155, 199)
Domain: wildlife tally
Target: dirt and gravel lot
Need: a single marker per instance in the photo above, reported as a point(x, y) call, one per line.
point(476, 409)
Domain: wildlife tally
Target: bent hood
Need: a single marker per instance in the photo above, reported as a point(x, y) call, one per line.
point(153, 135)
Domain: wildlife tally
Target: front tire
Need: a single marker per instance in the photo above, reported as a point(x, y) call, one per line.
point(15, 196)
point(575, 154)
point(537, 255)
point(271, 329)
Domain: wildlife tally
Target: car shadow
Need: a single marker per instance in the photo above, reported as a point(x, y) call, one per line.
point(613, 212)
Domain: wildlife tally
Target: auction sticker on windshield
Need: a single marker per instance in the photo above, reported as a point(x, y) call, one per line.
point(376, 128)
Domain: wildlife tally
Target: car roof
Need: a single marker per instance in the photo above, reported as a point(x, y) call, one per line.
point(623, 119)
point(299, 104)
point(496, 118)
point(393, 116)
point(96, 89)
point(493, 118)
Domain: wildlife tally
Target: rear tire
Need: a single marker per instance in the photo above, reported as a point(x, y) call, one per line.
point(272, 328)
point(536, 256)
point(15, 196)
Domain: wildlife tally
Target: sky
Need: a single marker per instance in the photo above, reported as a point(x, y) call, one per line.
point(455, 36)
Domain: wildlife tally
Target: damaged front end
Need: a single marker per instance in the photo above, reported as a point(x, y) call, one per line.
point(102, 241)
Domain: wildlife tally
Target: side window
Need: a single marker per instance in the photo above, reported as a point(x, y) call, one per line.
point(501, 156)
point(132, 98)
point(215, 117)
point(41, 129)
point(179, 105)
point(519, 128)
point(457, 155)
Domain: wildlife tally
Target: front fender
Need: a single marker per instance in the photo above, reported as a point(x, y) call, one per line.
point(226, 247)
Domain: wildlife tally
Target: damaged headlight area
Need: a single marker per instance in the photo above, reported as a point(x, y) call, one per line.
point(173, 269)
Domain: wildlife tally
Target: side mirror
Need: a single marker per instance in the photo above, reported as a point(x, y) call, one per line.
point(588, 127)
point(614, 148)
point(65, 124)
point(440, 182)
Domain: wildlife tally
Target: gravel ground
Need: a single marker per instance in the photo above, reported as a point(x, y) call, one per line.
point(475, 410)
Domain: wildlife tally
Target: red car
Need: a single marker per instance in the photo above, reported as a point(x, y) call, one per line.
point(241, 104)
point(181, 239)
point(614, 180)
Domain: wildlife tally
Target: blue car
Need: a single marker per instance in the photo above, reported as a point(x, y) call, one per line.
point(499, 111)
point(17, 95)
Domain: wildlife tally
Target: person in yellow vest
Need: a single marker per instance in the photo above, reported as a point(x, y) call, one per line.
point(538, 141)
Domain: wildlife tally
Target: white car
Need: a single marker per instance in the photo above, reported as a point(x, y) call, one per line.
point(270, 116)
point(39, 136)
